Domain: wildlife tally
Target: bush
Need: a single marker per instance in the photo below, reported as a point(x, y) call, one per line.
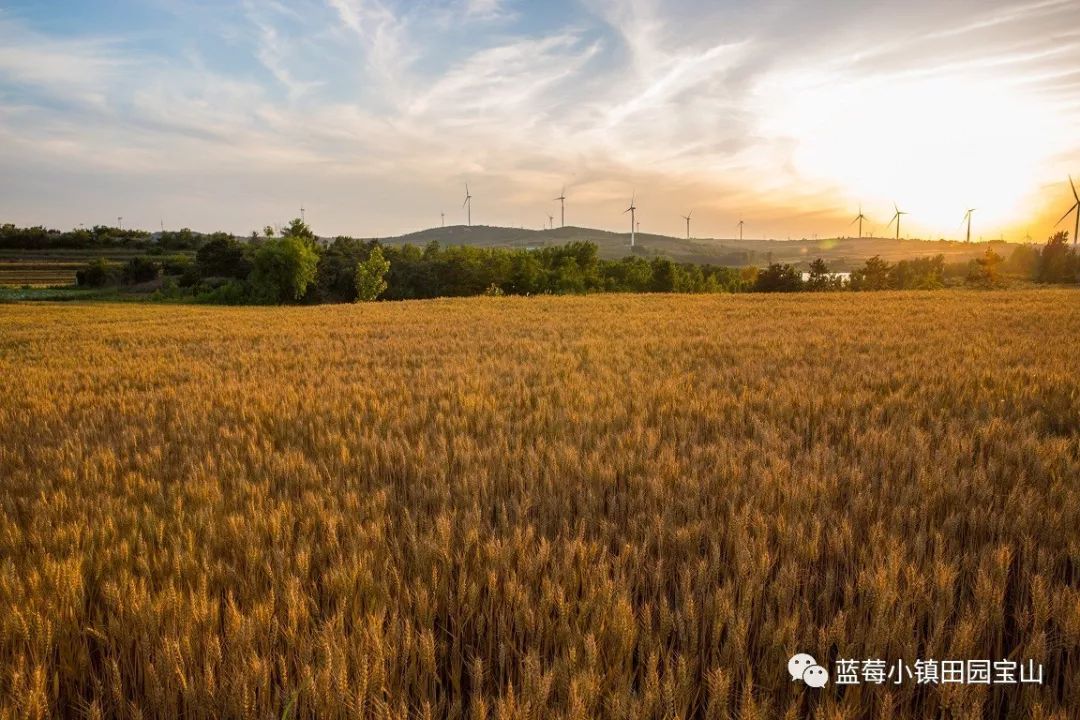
point(778, 278)
point(233, 292)
point(97, 274)
point(1058, 263)
point(138, 270)
point(985, 271)
point(175, 264)
point(222, 256)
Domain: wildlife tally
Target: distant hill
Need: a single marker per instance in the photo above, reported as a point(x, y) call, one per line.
point(841, 254)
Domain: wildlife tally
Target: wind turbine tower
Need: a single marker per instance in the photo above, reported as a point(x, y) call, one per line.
point(468, 204)
point(633, 219)
point(120, 223)
point(967, 219)
point(859, 219)
point(1075, 207)
point(896, 219)
point(551, 222)
point(562, 201)
point(687, 217)
point(741, 224)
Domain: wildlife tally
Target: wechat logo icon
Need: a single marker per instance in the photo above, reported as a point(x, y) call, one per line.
point(805, 668)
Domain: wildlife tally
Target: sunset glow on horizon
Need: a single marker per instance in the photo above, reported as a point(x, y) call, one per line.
point(373, 114)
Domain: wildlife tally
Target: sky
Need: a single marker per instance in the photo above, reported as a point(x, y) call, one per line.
point(373, 115)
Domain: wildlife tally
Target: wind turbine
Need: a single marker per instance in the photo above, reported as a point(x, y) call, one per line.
point(562, 200)
point(687, 217)
point(1075, 207)
point(896, 219)
point(633, 218)
point(859, 219)
point(120, 222)
point(967, 219)
point(468, 204)
point(551, 221)
point(741, 223)
point(303, 218)
point(442, 215)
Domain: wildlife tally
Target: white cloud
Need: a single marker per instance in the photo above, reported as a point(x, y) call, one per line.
point(691, 103)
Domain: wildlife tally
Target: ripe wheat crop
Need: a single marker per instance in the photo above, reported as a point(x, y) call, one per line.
point(570, 508)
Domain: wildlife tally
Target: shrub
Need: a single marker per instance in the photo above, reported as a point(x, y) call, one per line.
point(985, 271)
point(96, 274)
point(232, 292)
point(138, 270)
point(778, 278)
point(222, 256)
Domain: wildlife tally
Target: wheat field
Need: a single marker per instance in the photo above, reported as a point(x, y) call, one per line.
point(570, 508)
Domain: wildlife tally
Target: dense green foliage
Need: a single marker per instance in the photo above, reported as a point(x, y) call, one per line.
point(917, 274)
point(283, 270)
point(371, 276)
point(297, 267)
point(222, 256)
point(97, 274)
point(99, 236)
point(139, 270)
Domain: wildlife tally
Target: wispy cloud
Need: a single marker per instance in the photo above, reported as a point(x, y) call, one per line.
point(381, 107)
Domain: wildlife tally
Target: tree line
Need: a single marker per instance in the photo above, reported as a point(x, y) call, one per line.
point(294, 267)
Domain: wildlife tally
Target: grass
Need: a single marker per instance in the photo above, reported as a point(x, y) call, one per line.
point(600, 507)
point(59, 294)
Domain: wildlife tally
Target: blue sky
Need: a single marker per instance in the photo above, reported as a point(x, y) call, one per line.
point(373, 114)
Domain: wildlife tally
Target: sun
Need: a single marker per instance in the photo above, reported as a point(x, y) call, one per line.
point(936, 146)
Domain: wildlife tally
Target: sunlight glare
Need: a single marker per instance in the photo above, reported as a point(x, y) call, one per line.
point(934, 145)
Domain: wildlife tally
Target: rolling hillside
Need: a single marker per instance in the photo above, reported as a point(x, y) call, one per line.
point(842, 254)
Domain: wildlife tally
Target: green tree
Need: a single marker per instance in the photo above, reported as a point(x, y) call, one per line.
point(664, 275)
point(778, 278)
point(284, 268)
point(138, 270)
point(874, 275)
point(820, 279)
point(370, 276)
point(298, 229)
point(1057, 264)
point(222, 256)
point(337, 269)
point(96, 274)
point(1024, 262)
point(986, 271)
point(925, 273)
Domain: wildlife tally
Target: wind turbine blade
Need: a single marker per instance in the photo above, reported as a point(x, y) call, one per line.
point(1075, 195)
point(1074, 207)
